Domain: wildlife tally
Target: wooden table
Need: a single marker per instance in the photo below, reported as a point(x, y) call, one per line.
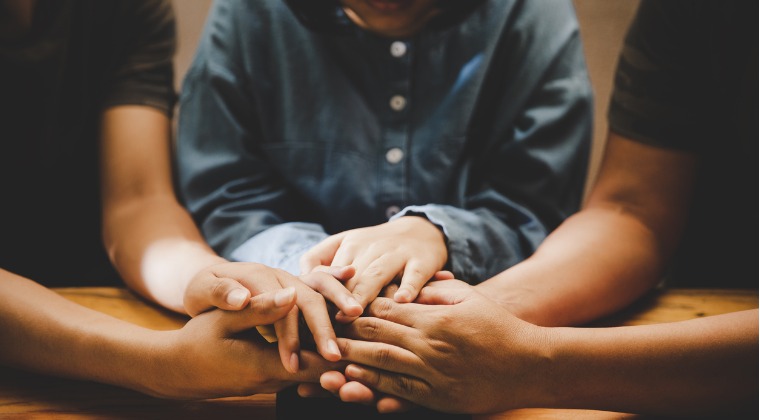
point(25, 395)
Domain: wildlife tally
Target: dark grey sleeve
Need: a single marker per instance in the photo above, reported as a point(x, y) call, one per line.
point(142, 70)
point(529, 178)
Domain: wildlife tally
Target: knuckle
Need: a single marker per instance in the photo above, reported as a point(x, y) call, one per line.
point(218, 290)
point(416, 273)
point(313, 298)
point(403, 385)
point(382, 356)
point(344, 346)
point(313, 280)
point(381, 307)
point(370, 330)
point(373, 270)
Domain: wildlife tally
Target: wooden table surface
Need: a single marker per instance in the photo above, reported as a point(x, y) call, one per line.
point(26, 395)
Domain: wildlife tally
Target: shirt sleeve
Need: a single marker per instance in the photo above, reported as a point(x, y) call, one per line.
point(142, 71)
point(245, 215)
point(658, 84)
point(281, 246)
point(519, 189)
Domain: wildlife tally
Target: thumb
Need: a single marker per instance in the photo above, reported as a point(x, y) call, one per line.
point(321, 253)
point(264, 309)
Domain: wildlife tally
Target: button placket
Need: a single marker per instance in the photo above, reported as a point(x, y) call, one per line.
point(393, 178)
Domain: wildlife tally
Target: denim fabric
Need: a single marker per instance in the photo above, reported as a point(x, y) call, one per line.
point(485, 125)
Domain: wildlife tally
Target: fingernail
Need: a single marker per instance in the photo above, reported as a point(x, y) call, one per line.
point(332, 347)
point(294, 363)
point(237, 297)
point(284, 296)
point(351, 302)
point(402, 295)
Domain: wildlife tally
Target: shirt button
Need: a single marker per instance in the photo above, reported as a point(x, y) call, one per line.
point(394, 155)
point(391, 211)
point(398, 102)
point(398, 49)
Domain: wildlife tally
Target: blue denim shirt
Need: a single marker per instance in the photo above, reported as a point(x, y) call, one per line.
point(287, 135)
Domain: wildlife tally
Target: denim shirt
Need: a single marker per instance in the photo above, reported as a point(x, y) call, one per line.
point(287, 135)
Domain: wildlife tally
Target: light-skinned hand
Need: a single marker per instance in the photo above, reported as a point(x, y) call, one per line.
point(230, 285)
point(196, 361)
point(409, 248)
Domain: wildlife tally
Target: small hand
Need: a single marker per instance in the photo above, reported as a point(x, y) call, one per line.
point(410, 248)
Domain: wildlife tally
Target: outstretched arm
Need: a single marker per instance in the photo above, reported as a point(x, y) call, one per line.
point(44, 332)
point(612, 251)
point(461, 352)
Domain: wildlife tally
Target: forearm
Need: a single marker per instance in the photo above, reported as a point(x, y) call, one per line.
point(696, 367)
point(44, 332)
point(156, 247)
point(598, 261)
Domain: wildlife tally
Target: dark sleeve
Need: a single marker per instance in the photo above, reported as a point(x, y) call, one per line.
point(141, 67)
point(657, 94)
point(530, 177)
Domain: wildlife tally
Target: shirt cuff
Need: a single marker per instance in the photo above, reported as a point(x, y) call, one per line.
point(281, 246)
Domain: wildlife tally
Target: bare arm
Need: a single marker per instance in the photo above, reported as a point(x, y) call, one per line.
point(44, 332)
point(459, 351)
point(161, 254)
point(612, 251)
point(696, 367)
point(149, 236)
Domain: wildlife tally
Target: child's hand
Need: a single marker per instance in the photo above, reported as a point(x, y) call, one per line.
point(221, 285)
point(410, 248)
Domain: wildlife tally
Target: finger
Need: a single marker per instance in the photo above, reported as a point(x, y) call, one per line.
point(334, 291)
point(388, 383)
point(356, 392)
point(314, 310)
point(342, 273)
point(393, 404)
point(388, 291)
point(322, 253)
point(432, 295)
point(377, 274)
point(416, 274)
point(264, 309)
point(443, 275)
point(220, 292)
point(313, 366)
point(381, 356)
point(312, 390)
point(288, 341)
point(402, 314)
point(332, 381)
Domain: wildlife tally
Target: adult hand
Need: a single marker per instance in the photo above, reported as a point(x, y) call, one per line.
point(410, 248)
point(334, 383)
point(212, 356)
point(221, 285)
point(456, 350)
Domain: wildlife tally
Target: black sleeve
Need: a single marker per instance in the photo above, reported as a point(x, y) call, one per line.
point(141, 65)
point(656, 96)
